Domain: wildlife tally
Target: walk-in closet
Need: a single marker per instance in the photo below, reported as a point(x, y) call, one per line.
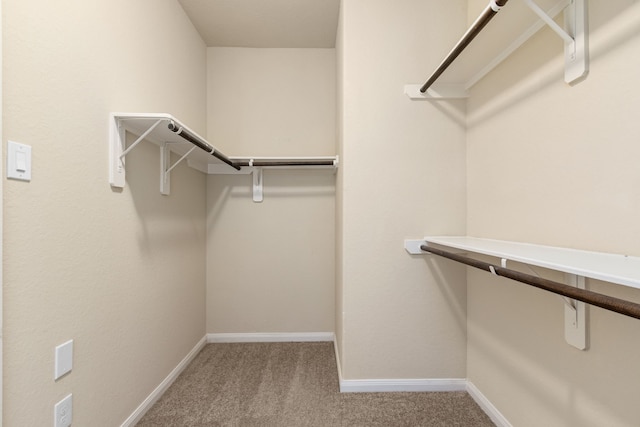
point(320, 212)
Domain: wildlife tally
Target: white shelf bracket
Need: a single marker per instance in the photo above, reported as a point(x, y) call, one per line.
point(257, 185)
point(568, 38)
point(575, 37)
point(165, 176)
point(140, 139)
point(436, 91)
point(117, 151)
point(165, 169)
point(412, 246)
point(575, 316)
point(116, 148)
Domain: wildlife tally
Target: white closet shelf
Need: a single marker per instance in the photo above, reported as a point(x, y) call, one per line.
point(576, 264)
point(619, 269)
point(515, 23)
point(172, 136)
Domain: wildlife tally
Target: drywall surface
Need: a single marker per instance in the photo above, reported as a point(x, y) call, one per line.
point(402, 176)
point(271, 265)
point(121, 272)
point(339, 290)
point(557, 165)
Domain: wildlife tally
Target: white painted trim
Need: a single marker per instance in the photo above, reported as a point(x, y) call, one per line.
point(346, 386)
point(164, 385)
point(338, 365)
point(396, 385)
point(484, 403)
point(1, 231)
point(406, 385)
point(272, 337)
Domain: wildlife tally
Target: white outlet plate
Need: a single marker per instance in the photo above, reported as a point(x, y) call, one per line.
point(63, 412)
point(63, 359)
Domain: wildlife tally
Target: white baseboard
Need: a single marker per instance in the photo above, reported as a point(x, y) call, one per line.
point(487, 406)
point(391, 385)
point(406, 385)
point(164, 385)
point(272, 337)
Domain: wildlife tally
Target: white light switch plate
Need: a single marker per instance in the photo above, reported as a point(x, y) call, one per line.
point(64, 359)
point(18, 161)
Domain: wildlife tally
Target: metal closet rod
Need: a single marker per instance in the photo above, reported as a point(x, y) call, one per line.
point(607, 302)
point(285, 163)
point(487, 14)
point(201, 144)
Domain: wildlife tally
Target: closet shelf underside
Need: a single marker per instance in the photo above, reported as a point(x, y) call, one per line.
point(613, 268)
point(139, 123)
point(515, 24)
point(172, 136)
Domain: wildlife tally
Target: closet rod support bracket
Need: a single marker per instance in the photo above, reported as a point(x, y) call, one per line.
point(436, 91)
point(257, 175)
point(574, 35)
point(118, 150)
point(165, 176)
point(575, 318)
point(166, 167)
point(412, 246)
point(564, 35)
point(117, 141)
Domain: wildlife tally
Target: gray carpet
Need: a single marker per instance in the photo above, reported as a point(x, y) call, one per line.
point(293, 384)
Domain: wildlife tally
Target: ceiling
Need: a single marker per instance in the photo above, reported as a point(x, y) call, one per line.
point(265, 23)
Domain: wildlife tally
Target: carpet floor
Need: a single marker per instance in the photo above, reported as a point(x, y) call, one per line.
point(294, 384)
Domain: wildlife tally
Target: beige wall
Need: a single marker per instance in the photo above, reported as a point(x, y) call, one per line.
point(270, 265)
point(558, 165)
point(123, 272)
point(402, 176)
point(119, 272)
point(339, 289)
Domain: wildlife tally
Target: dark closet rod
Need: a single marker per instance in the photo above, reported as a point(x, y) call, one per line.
point(201, 144)
point(285, 163)
point(487, 14)
point(607, 302)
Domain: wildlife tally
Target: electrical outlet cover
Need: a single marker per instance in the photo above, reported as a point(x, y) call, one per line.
point(63, 412)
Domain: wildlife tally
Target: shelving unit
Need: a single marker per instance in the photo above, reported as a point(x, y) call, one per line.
point(576, 264)
point(514, 24)
point(172, 136)
point(620, 269)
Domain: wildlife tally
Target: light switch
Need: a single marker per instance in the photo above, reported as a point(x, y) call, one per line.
point(21, 161)
point(18, 161)
point(64, 359)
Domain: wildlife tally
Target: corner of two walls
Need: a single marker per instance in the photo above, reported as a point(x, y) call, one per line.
point(119, 272)
point(402, 176)
point(270, 265)
point(557, 165)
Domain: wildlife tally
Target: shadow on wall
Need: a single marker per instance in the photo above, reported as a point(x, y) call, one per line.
point(443, 271)
point(552, 382)
point(453, 109)
point(176, 220)
point(611, 24)
point(280, 186)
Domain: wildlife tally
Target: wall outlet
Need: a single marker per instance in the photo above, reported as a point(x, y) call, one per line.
point(63, 412)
